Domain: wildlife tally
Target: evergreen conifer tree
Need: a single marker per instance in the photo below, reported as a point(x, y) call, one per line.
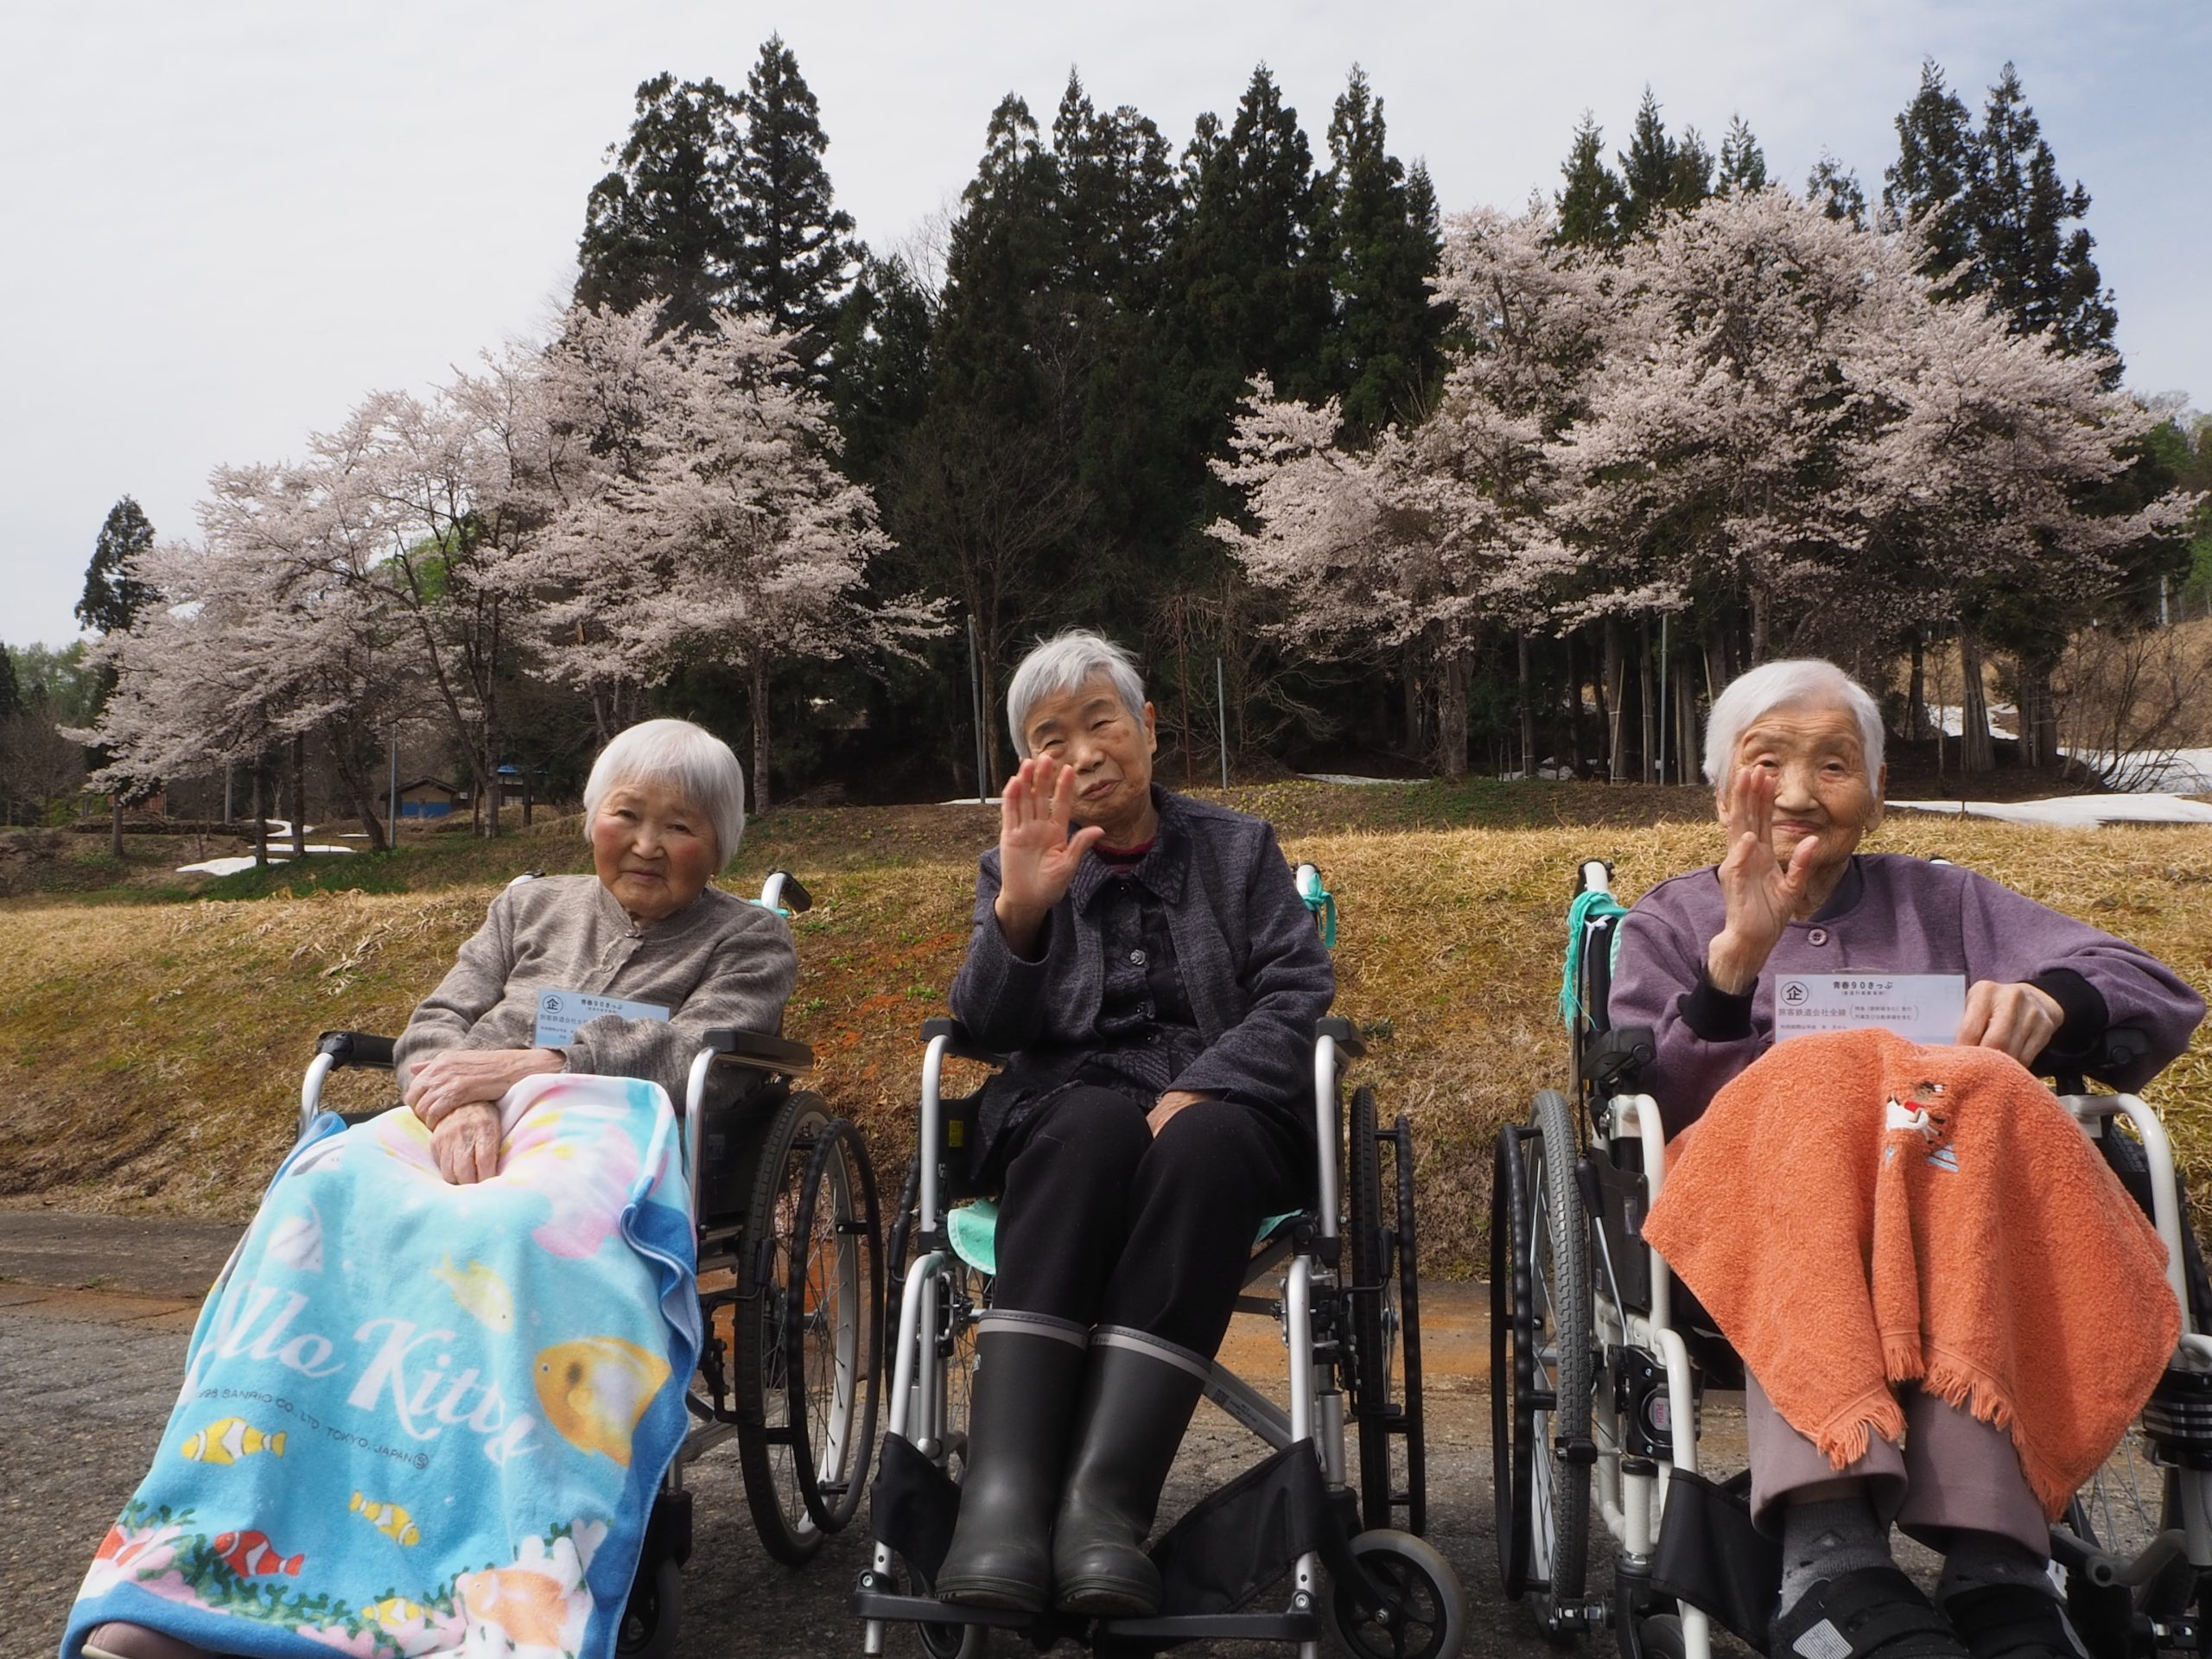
point(1693, 175)
point(112, 595)
point(1743, 164)
point(1648, 175)
point(1835, 188)
point(794, 249)
point(2033, 266)
point(1937, 163)
point(11, 698)
point(1590, 206)
point(1119, 200)
point(1382, 249)
point(660, 226)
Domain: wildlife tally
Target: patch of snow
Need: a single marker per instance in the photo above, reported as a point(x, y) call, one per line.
point(2185, 771)
point(232, 865)
point(2073, 811)
point(1347, 778)
point(969, 800)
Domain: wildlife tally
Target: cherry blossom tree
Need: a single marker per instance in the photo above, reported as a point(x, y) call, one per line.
point(723, 534)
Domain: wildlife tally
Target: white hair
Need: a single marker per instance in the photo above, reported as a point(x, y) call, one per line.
point(1796, 683)
point(1066, 664)
point(691, 760)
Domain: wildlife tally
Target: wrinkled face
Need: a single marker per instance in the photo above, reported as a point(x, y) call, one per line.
point(1821, 787)
point(652, 848)
point(1111, 749)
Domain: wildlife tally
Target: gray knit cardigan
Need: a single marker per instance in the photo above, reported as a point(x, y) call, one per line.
point(719, 961)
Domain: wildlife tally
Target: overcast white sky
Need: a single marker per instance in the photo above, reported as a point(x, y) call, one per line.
point(227, 221)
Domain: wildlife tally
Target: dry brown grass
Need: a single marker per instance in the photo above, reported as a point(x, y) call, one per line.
point(149, 1056)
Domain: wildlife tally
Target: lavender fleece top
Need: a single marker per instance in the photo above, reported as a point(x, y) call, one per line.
point(1892, 914)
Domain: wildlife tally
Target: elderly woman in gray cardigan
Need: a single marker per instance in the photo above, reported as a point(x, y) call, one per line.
point(1147, 961)
point(663, 810)
point(1794, 751)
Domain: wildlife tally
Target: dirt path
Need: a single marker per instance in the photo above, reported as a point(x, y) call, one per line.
point(95, 1311)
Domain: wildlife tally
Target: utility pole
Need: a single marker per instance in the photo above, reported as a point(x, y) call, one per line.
point(392, 814)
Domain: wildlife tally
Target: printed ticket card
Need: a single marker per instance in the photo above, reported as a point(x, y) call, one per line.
point(1920, 1007)
point(559, 1013)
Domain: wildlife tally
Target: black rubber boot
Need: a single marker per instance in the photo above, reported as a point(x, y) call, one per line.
point(1028, 1371)
point(1137, 1401)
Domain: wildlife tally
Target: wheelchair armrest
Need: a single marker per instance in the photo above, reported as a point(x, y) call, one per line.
point(1345, 1033)
point(1614, 1057)
point(355, 1048)
point(759, 1049)
point(2119, 1049)
point(962, 1047)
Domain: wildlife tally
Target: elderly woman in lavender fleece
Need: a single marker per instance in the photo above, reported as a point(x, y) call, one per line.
point(1148, 961)
point(1794, 750)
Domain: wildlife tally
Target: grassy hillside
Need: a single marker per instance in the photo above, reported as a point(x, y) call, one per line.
point(151, 1051)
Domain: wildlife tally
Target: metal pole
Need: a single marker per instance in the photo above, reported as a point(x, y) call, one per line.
point(1666, 708)
point(392, 803)
point(976, 696)
point(1221, 700)
point(230, 781)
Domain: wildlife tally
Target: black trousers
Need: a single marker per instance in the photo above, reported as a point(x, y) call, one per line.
point(1102, 1223)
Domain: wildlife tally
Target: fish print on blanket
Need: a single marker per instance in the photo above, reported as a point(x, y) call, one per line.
point(419, 1418)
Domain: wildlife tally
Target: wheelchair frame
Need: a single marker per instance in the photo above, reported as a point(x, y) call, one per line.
point(1341, 1329)
point(1626, 1407)
point(789, 1163)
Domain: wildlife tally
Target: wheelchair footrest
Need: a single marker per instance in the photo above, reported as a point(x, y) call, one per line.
point(928, 1609)
point(1188, 1627)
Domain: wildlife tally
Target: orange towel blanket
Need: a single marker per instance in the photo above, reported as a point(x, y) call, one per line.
point(1857, 1212)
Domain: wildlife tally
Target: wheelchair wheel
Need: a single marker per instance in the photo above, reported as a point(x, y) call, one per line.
point(1386, 1338)
point(806, 1352)
point(1430, 1619)
point(1551, 1336)
point(1511, 1326)
point(649, 1618)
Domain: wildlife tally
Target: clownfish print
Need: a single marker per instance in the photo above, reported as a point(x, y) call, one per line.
point(229, 1439)
point(389, 1519)
point(247, 1554)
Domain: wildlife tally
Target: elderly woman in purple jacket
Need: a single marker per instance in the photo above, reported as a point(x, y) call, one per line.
point(1795, 751)
point(1147, 961)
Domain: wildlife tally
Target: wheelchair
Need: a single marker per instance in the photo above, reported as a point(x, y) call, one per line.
point(1601, 1363)
point(1341, 1279)
point(790, 1297)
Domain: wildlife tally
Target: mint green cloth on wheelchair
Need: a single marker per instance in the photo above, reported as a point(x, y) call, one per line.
point(423, 1418)
point(973, 1229)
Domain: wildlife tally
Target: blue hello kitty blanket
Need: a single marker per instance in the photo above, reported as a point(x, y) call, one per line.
point(426, 1419)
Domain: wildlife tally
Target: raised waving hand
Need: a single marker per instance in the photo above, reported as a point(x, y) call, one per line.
point(1037, 856)
point(1762, 892)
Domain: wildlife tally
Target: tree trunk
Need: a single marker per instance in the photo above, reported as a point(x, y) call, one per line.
point(1976, 752)
point(355, 783)
point(1527, 715)
point(1608, 701)
point(260, 811)
point(115, 825)
point(1573, 709)
point(1915, 695)
point(1452, 711)
point(757, 681)
point(300, 796)
point(1687, 760)
point(1646, 709)
point(1759, 623)
point(1416, 725)
point(2039, 719)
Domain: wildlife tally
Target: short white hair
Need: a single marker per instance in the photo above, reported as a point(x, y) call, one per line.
point(1795, 683)
point(1066, 664)
point(691, 760)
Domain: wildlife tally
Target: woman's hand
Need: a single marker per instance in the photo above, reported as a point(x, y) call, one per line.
point(1170, 1103)
point(465, 1144)
point(2019, 1019)
point(1037, 858)
point(1762, 894)
point(455, 1077)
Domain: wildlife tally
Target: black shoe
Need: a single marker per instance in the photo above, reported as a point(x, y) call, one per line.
point(1028, 1370)
point(1137, 1401)
point(1876, 1611)
point(2013, 1621)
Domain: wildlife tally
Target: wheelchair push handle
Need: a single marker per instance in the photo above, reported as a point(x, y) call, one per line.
point(959, 1044)
point(2119, 1051)
point(783, 893)
point(356, 1048)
